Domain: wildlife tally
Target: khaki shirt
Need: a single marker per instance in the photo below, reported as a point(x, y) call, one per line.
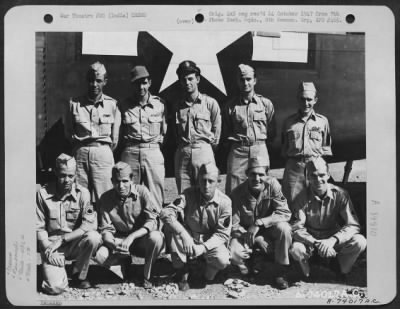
point(270, 207)
point(208, 222)
point(334, 215)
point(306, 137)
point(143, 124)
point(57, 215)
point(86, 121)
point(121, 217)
point(251, 121)
point(199, 121)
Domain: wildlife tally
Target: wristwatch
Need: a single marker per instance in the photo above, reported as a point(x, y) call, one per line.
point(63, 241)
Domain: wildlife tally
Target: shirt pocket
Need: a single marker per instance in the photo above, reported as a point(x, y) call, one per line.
point(129, 119)
point(260, 120)
point(202, 122)
point(155, 124)
point(105, 123)
point(315, 134)
point(72, 214)
point(54, 219)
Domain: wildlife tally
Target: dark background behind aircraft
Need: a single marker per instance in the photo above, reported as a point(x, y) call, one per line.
point(336, 63)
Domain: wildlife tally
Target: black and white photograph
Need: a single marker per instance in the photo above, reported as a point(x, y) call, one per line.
point(210, 165)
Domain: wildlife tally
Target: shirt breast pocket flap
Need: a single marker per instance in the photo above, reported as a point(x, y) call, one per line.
point(72, 214)
point(259, 116)
point(155, 119)
point(130, 119)
point(315, 134)
point(106, 119)
point(203, 116)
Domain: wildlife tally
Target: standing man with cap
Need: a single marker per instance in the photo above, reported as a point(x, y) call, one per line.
point(143, 130)
point(325, 222)
point(248, 124)
point(129, 223)
point(198, 223)
point(260, 216)
point(198, 127)
point(305, 135)
point(66, 229)
point(92, 126)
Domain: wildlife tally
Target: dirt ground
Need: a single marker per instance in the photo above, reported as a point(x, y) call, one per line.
point(229, 283)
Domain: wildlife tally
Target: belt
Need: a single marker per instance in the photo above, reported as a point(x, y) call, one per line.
point(249, 143)
point(193, 144)
point(92, 144)
point(142, 145)
point(302, 158)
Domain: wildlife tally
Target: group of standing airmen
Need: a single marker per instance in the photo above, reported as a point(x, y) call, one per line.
point(124, 202)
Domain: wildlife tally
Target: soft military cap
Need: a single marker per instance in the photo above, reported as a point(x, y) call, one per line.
point(244, 69)
point(208, 168)
point(65, 160)
point(258, 161)
point(187, 67)
point(307, 86)
point(122, 170)
point(139, 72)
point(316, 164)
point(97, 68)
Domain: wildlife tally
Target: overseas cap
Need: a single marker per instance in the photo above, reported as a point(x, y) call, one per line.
point(187, 67)
point(244, 69)
point(65, 160)
point(121, 169)
point(317, 164)
point(307, 86)
point(139, 72)
point(97, 68)
point(259, 161)
point(208, 168)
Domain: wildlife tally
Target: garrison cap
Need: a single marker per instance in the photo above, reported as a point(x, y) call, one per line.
point(208, 168)
point(97, 68)
point(259, 161)
point(121, 169)
point(244, 69)
point(139, 72)
point(316, 164)
point(65, 160)
point(187, 67)
point(307, 86)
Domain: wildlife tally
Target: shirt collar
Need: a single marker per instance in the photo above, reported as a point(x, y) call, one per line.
point(215, 200)
point(312, 115)
point(99, 101)
point(149, 101)
point(254, 99)
point(52, 192)
point(328, 195)
point(198, 100)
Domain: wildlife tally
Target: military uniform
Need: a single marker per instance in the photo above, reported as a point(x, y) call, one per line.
point(208, 223)
point(73, 217)
point(269, 210)
point(198, 129)
point(331, 216)
point(143, 131)
point(303, 138)
point(119, 217)
point(247, 125)
point(93, 128)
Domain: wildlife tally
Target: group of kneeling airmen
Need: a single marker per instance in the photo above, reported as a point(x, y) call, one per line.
point(106, 212)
